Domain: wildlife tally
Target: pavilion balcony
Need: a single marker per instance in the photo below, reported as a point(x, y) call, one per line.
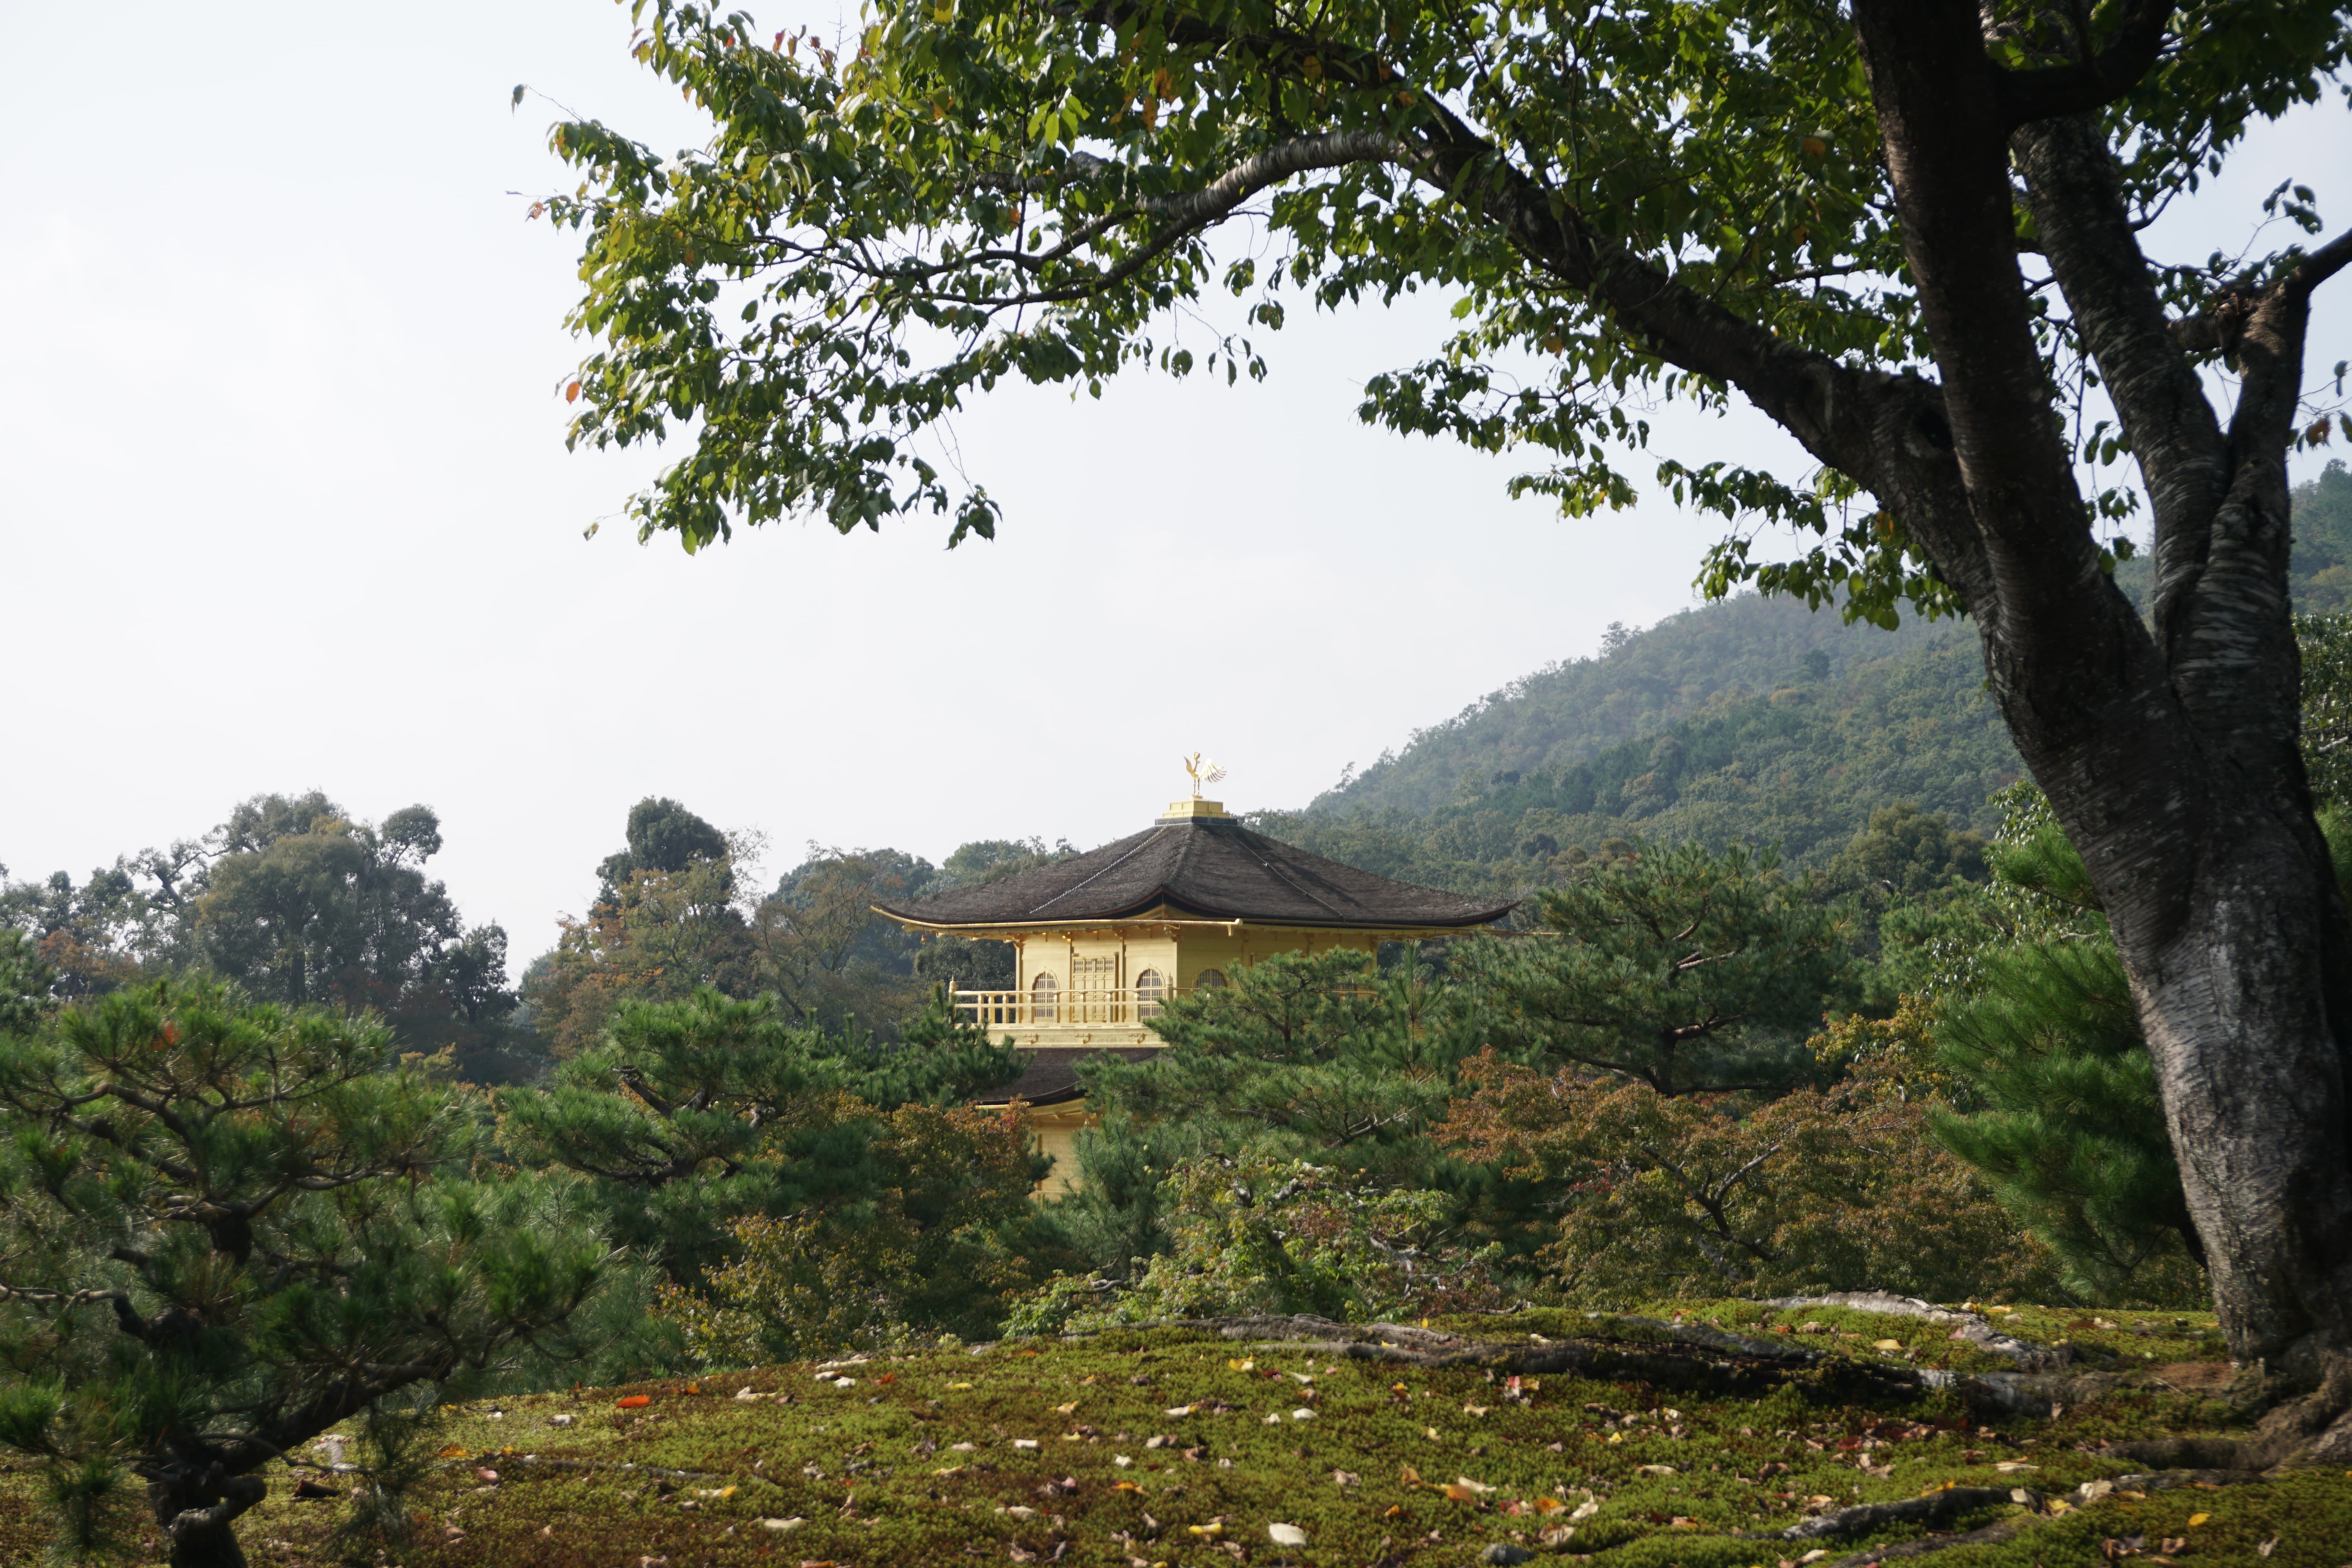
point(1063, 1009)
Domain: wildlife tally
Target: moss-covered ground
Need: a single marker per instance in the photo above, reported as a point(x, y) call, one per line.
point(1178, 1447)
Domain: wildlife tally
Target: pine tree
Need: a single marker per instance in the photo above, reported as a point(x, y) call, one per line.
point(2069, 1130)
point(1321, 1059)
point(693, 1114)
point(1691, 970)
point(226, 1228)
point(2056, 1094)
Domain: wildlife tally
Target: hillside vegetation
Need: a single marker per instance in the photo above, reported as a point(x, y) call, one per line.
point(1752, 719)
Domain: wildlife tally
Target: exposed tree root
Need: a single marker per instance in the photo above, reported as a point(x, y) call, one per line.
point(2083, 1496)
point(1956, 1500)
point(2299, 1431)
point(1671, 1355)
point(1972, 1327)
point(1998, 1530)
point(1862, 1519)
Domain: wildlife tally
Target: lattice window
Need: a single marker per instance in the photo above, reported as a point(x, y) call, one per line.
point(1044, 992)
point(1149, 990)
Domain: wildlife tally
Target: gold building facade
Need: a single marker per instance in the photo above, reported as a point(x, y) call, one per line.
point(1102, 941)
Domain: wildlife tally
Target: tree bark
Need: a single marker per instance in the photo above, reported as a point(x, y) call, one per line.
point(198, 1509)
point(2168, 754)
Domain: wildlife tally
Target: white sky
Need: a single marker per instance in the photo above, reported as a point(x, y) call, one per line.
point(284, 501)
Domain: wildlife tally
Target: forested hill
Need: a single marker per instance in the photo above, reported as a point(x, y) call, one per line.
point(1566, 713)
point(1753, 720)
point(1800, 755)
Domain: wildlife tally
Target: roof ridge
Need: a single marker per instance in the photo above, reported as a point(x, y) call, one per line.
point(1184, 854)
point(1065, 892)
point(1262, 859)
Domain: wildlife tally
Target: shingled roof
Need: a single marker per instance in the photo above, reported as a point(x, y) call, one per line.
point(1050, 1076)
point(1198, 869)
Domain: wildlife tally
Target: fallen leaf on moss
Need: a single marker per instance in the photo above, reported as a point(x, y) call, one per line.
point(1653, 1470)
point(1886, 1344)
point(1069, 1409)
point(633, 1402)
point(1291, 1535)
point(780, 1525)
point(2196, 1519)
point(454, 1451)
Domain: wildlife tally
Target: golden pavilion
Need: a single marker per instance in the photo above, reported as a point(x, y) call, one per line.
point(1103, 940)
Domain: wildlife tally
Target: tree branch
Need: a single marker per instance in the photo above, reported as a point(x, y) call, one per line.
point(2091, 80)
point(2077, 204)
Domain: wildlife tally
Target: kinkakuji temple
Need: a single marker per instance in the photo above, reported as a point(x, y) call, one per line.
point(1103, 940)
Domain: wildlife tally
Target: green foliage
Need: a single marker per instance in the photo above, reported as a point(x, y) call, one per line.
point(27, 986)
point(1690, 970)
point(662, 936)
point(2070, 1129)
point(1542, 725)
point(398, 1451)
point(693, 1114)
point(1908, 852)
point(1318, 1058)
point(938, 1237)
point(225, 1226)
point(1902, 724)
point(663, 836)
point(675, 912)
point(2325, 644)
point(1835, 1189)
point(1269, 1236)
point(985, 191)
point(295, 902)
point(2055, 1095)
point(2320, 572)
point(306, 905)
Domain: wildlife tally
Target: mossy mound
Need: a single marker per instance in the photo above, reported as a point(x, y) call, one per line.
point(1182, 1446)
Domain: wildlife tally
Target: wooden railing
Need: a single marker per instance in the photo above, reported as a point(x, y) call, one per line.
point(1061, 1007)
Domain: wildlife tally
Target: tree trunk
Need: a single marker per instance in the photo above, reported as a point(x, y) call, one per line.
point(2231, 986)
point(2169, 752)
point(197, 1510)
